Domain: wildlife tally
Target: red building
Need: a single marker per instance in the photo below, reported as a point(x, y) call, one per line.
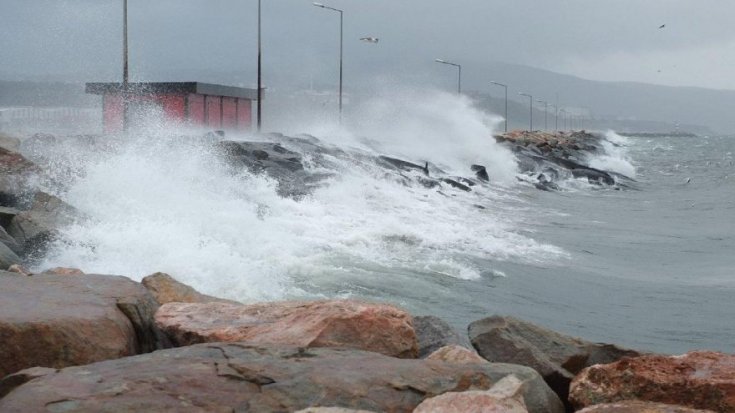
point(187, 103)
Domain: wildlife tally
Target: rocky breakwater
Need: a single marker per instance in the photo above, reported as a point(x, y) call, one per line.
point(84, 343)
point(280, 357)
point(546, 158)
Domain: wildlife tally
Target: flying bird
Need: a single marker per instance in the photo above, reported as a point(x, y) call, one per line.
point(370, 39)
point(662, 26)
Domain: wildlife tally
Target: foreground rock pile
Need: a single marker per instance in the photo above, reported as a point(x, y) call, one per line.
point(92, 343)
point(76, 342)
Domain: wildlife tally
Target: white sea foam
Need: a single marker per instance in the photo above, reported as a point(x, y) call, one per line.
point(155, 203)
point(615, 158)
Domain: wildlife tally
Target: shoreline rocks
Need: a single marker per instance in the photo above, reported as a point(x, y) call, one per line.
point(240, 377)
point(699, 380)
point(334, 323)
point(58, 321)
point(165, 289)
point(558, 358)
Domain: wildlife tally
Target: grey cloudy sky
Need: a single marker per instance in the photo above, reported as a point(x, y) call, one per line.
point(189, 39)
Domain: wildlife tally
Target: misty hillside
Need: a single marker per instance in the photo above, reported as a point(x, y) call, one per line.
point(614, 100)
point(624, 106)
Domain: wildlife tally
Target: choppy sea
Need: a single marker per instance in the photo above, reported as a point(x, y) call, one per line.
point(651, 268)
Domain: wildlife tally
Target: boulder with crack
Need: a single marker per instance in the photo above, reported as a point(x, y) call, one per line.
point(57, 321)
point(238, 377)
point(380, 328)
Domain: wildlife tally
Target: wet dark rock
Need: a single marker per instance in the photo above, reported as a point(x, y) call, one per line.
point(434, 333)
point(10, 242)
point(272, 159)
point(6, 215)
point(8, 257)
point(36, 228)
point(566, 154)
point(457, 185)
point(480, 172)
point(15, 172)
point(558, 358)
point(403, 165)
point(594, 176)
point(238, 377)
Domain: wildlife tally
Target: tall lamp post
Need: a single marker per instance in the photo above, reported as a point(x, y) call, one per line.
point(125, 66)
point(459, 77)
point(341, 49)
point(260, 75)
point(530, 97)
point(546, 113)
point(556, 117)
point(564, 118)
point(506, 101)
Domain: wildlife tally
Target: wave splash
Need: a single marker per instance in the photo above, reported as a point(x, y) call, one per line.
point(158, 202)
point(615, 157)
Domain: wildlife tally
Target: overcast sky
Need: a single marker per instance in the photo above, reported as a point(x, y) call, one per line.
point(188, 39)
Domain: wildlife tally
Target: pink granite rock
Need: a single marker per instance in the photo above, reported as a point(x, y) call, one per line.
point(700, 380)
point(379, 328)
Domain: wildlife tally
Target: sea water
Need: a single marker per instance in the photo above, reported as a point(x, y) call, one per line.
point(650, 268)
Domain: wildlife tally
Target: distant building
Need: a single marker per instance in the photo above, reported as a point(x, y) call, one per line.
point(188, 103)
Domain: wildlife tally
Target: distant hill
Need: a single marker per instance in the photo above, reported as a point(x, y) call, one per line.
point(48, 94)
point(626, 102)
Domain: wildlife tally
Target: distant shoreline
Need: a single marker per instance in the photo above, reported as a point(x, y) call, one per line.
point(659, 134)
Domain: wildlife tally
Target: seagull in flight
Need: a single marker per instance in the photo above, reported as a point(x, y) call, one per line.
point(370, 39)
point(662, 26)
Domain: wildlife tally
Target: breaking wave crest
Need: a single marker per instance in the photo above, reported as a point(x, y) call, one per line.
point(157, 201)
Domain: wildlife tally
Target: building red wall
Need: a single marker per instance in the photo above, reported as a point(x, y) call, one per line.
point(174, 107)
point(213, 106)
point(112, 116)
point(196, 109)
point(229, 113)
point(244, 114)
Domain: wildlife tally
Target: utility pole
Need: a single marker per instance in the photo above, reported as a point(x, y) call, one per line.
point(126, 79)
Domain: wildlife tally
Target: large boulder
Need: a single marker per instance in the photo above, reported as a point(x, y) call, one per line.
point(635, 406)
point(506, 396)
point(10, 242)
point(8, 257)
point(15, 171)
point(35, 228)
point(700, 380)
point(166, 289)
point(456, 354)
point(558, 358)
point(272, 159)
point(380, 328)
point(225, 377)
point(433, 333)
point(55, 321)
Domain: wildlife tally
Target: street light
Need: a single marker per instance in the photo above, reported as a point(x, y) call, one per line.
point(125, 66)
point(459, 78)
point(546, 113)
point(506, 101)
point(564, 117)
point(556, 117)
point(530, 97)
point(341, 42)
point(260, 75)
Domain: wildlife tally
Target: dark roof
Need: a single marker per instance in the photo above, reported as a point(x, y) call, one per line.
point(173, 88)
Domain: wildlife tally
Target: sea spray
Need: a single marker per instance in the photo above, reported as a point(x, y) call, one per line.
point(156, 201)
point(615, 157)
